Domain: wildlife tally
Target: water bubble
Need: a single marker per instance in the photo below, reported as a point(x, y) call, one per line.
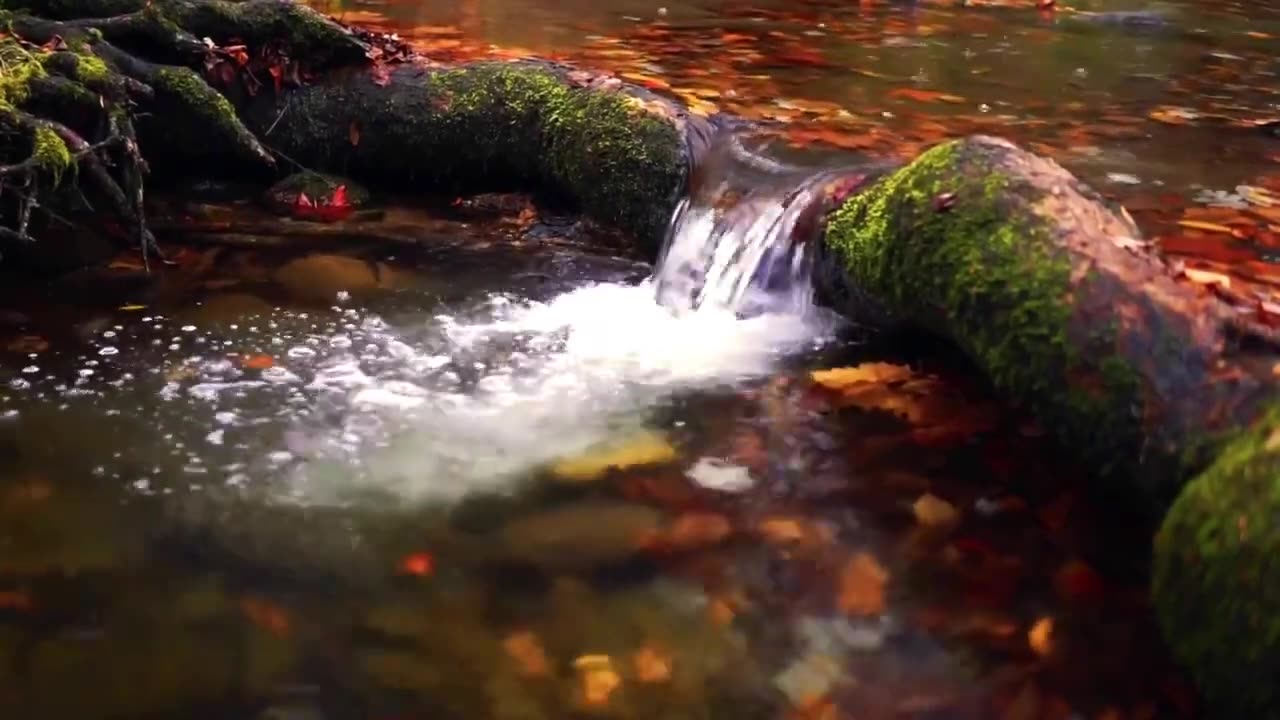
point(19, 384)
point(109, 334)
point(108, 351)
point(31, 369)
point(301, 352)
point(188, 328)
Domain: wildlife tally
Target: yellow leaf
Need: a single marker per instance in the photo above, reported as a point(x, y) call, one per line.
point(932, 511)
point(1206, 226)
point(1205, 277)
point(862, 586)
point(133, 308)
point(646, 448)
point(598, 679)
point(1040, 637)
point(872, 372)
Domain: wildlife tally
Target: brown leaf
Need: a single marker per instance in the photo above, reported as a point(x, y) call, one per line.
point(862, 586)
point(651, 666)
point(526, 650)
point(353, 133)
point(27, 344)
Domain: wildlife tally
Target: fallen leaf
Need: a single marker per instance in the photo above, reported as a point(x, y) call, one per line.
point(934, 512)
point(353, 133)
point(1077, 582)
point(924, 95)
point(689, 532)
point(419, 564)
point(1040, 637)
point(862, 586)
point(266, 615)
point(527, 651)
point(258, 362)
point(651, 666)
point(27, 344)
point(1206, 226)
point(15, 600)
point(1206, 277)
point(722, 610)
point(872, 372)
point(646, 448)
point(132, 308)
point(793, 531)
point(597, 679)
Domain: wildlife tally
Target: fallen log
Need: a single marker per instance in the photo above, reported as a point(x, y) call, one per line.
point(1160, 385)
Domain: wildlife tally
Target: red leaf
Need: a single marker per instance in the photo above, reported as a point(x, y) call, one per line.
point(339, 198)
point(419, 564)
point(304, 201)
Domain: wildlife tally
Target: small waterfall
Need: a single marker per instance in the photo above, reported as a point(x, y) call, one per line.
point(742, 239)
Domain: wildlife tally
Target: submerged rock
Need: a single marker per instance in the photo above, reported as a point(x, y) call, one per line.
point(227, 308)
point(581, 536)
point(320, 278)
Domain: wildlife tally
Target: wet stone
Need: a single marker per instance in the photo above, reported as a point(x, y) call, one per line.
point(321, 278)
point(227, 308)
point(581, 536)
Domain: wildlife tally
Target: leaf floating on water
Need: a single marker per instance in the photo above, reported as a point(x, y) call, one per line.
point(862, 586)
point(258, 362)
point(934, 512)
point(597, 679)
point(872, 372)
point(646, 448)
point(15, 600)
point(1040, 637)
point(27, 344)
point(1206, 277)
point(1206, 226)
point(266, 615)
point(794, 531)
point(651, 665)
point(525, 648)
point(132, 308)
point(418, 564)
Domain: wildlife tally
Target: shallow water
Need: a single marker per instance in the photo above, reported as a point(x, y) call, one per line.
point(278, 482)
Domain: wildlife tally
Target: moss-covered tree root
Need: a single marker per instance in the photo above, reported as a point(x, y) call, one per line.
point(1147, 376)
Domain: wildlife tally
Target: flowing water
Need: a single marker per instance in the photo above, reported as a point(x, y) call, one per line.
point(472, 467)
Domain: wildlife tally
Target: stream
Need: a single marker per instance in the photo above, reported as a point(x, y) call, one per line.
point(473, 458)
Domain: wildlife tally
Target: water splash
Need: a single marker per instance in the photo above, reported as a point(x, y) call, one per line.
point(742, 239)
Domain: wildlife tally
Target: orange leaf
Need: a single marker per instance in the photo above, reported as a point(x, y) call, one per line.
point(862, 586)
point(525, 649)
point(420, 564)
point(1078, 582)
point(1206, 226)
point(15, 600)
point(651, 666)
point(266, 615)
point(1040, 637)
point(924, 95)
point(258, 362)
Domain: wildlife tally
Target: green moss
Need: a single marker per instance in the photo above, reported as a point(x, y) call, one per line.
point(185, 85)
point(90, 69)
point(949, 243)
point(603, 149)
point(20, 68)
point(1217, 575)
point(50, 153)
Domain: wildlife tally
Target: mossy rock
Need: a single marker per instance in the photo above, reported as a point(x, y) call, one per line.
point(1217, 576)
point(282, 198)
point(320, 278)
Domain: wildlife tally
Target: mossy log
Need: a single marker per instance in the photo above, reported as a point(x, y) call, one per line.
point(1154, 381)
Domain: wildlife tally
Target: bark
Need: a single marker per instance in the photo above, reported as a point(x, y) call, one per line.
point(1160, 385)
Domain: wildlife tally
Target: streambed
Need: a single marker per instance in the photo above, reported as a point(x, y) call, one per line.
point(492, 477)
